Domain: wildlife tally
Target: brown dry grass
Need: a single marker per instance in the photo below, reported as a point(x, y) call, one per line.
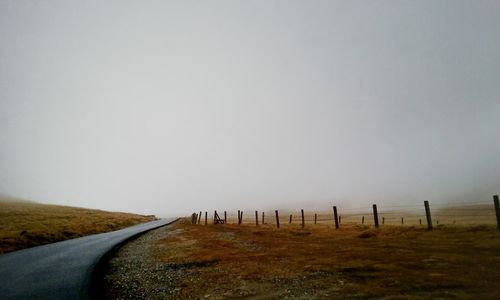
point(27, 224)
point(393, 262)
point(471, 214)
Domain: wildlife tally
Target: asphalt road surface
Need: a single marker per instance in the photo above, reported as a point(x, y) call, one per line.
point(61, 270)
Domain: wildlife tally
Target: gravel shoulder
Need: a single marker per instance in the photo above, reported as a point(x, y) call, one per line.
point(135, 272)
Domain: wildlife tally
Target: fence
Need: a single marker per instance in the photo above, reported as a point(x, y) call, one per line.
point(422, 215)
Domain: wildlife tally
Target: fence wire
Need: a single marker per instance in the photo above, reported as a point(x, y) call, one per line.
point(466, 213)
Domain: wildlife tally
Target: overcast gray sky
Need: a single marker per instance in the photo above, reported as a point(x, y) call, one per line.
point(168, 107)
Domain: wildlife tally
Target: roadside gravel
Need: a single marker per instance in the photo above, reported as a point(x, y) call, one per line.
point(133, 272)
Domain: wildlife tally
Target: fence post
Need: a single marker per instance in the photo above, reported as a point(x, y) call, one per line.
point(277, 219)
point(402, 221)
point(420, 221)
point(241, 217)
point(290, 222)
point(238, 217)
point(256, 218)
point(383, 220)
point(315, 218)
point(497, 209)
point(302, 213)
point(335, 217)
point(225, 217)
point(215, 214)
point(362, 220)
point(339, 219)
point(375, 215)
point(263, 218)
point(428, 215)
point(206, 218)
point(199, 218)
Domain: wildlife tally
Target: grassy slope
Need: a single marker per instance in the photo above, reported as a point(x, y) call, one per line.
point(26, 224)
point(397, 262)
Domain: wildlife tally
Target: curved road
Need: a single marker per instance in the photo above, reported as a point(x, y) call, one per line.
point(61, 270)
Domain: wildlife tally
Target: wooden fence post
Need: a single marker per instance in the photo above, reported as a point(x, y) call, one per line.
point(199, 218)
point(315, 218)
point(402, 221)
point(383, 220)
point(497, 209)
point(375, 215)
point(206, 218)
point(335, 217)
point(256, 218)
point(277, 219)
point(428, 215)
point(241, 217)
point(263, 218)
point(302, 213)
point(340, 219)
point(420, 221)
point(290, 222)
point(225, 217)
point(238, 217)
point(363, 220)
point(215, 214)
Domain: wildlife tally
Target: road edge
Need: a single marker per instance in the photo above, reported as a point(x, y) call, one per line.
point(93, 288)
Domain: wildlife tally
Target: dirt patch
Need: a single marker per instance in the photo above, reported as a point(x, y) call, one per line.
point(368, 234)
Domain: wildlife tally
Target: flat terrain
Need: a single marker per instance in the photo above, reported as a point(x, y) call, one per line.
point(317, 262)
point(27, 224)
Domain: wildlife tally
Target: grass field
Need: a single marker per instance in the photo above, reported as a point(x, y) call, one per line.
point(482, 213)
point(26, 224)
point(319, 262)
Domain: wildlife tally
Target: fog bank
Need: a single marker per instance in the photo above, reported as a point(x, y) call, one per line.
point(169, 107)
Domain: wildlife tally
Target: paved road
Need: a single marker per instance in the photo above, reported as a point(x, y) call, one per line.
point(61, 270)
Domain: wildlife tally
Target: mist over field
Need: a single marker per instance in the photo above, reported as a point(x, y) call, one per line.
point(170, 107)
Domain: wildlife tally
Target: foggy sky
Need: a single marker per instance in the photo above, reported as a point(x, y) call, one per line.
point(169, 107)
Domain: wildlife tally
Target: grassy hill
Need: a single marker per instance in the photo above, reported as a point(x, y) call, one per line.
point(25, 224)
